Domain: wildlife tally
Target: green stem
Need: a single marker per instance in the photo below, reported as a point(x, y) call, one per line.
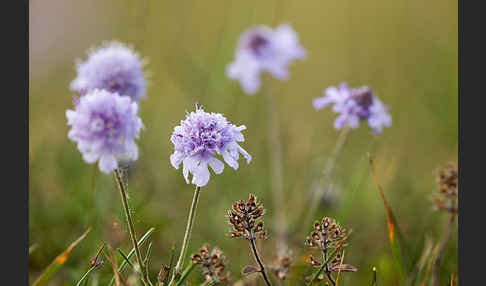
point(275, 150)
point(187, 237)
point(131, 228)
point(318, 194)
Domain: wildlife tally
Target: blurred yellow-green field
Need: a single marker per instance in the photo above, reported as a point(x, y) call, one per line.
point(406, 51)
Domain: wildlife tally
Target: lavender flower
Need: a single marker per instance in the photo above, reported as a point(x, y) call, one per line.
point(104, 125)
point(355, 105)
point(113, 67)
point(264, 49)
point(202, 136)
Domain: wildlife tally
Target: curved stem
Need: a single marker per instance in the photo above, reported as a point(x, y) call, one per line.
point(257, 258)
point(187, 237)
point(131, 228)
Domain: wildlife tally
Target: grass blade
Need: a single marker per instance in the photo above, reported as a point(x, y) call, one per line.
point(171, 265)
point(132, 252)
point(394, 234)
point(185, 273)
point(58, 262)
point(87, 274)
point(124, 257)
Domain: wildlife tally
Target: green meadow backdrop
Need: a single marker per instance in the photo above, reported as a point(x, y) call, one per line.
point(405, 50)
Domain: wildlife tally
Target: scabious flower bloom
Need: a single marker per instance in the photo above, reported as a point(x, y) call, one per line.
point(113, 67)
point(355, 105)
point(264, 49)
point(202, 136)
point(105, 126)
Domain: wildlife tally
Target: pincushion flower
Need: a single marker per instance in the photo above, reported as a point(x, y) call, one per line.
point(264, 49)
point(197, 141)
point(105, 126)
point(114, 67)
point(355, 105)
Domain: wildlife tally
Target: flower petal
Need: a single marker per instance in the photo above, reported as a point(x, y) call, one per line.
point(201, 175)
point(216, 165)
point(230, 160)
point(107, 163)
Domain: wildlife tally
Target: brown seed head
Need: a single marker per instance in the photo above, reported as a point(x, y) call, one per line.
point(244, 217)
point(213, 264)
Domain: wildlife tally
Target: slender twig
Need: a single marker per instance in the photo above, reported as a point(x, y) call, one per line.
point(259, 261)
point(447, 234)
point(275, 150)
point(131, 228)
point(187, 237)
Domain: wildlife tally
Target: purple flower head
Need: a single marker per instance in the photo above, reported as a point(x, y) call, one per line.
point(105, 126)
point(202, 136)
point(113, 67)
point(264, 49)
point(355, 105)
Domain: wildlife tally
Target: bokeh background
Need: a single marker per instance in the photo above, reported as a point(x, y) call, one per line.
point(406, 50)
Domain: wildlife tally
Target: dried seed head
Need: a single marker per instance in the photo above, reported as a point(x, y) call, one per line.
point(244, 219)
point(213, 264)
point(327, 235)
point(448, 181)
point(282, 265)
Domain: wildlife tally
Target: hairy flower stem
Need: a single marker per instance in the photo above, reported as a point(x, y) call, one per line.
point(275, 150)
point(258, 260)
point(448, 232)
point(131, 228)
point(318, 194)
point(187, 237)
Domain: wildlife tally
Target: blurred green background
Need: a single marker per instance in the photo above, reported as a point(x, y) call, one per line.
point(406, 50)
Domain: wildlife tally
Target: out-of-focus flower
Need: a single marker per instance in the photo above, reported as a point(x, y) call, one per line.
point(213, 264)
point(113, 67)
point(281, 266)
point(105, 126)
point(355, 105)
point(448, 181)
point(202, 136)
point(264, 49)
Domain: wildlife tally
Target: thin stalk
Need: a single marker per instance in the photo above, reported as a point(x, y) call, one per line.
point(131, 228)
point(258, 260)
point(326, 268)
point(448, 232)
point(187, 237)
point(275, 150)
point(319, 193)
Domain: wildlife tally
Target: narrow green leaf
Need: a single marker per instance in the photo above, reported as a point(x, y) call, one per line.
point(185, 273)
point(125, 257)
point(87, 274)
point(395, 236)
point(210, 283)
point(58, 262)
point(171, 265)
point(132, 252)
